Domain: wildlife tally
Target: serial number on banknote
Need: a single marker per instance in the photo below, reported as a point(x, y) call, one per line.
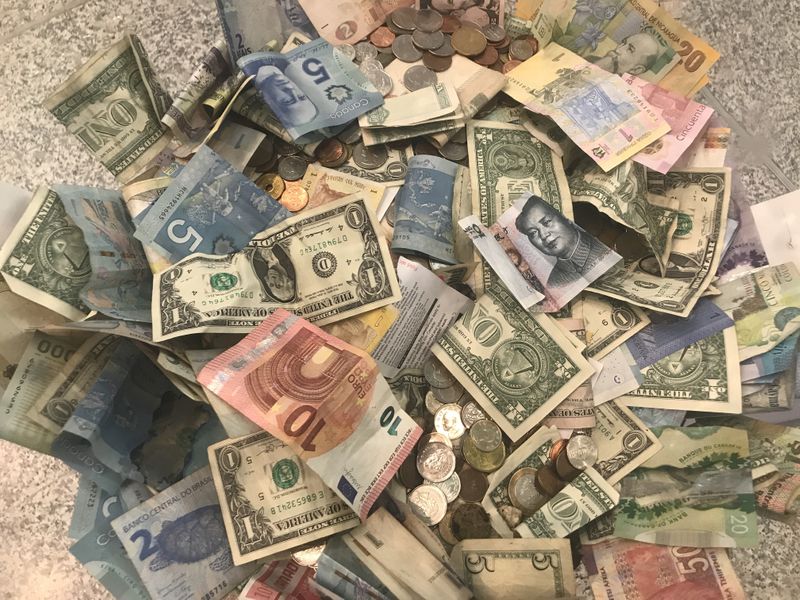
point(313, 497)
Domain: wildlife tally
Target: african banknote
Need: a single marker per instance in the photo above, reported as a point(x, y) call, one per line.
point(41, 361)
point(515, 569)
point(765, 305)
point(696, 492)
point(623, 441)
point(46, 259)
point(327, 264)
point(113, 104)
point(176, 541)
point(424, 222)
point(608, 322)
point(599, 112)
point(353, 433)
point(625, 569)
point(121, 284)
point(703, 197)
point(348, 22)
point(702, 376)
point(270, 500)
point(324, 185)
point(311, 88)
point(517, 367)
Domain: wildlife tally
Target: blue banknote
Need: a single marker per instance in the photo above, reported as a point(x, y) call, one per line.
point(667, 334)
point(209, 207)
point(424, 222)
point(772, 362)
point(311, 88)
point(121, 284)
point(340, 571)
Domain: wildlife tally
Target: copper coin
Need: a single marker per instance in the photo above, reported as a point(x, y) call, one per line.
point(382, 37)
point(468, 41)
point(510, 65)
point(435, 63)
point(428, 20)
point(477, 15)
point(488, 57)
point(471, 522)
point(294, 197)
point(547, 481)
point(473, 484)
point(329, 152)
point(404, 17)
point(503, 45)
point(450, 24)
point(264, 154)
point(272, 183)
point(520, 50)
point(534, 43)
point(557, 448)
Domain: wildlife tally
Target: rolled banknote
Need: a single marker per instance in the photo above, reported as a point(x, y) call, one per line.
point(311, 88)
point(113, 104)
point(336, 411)
point(270, 500)
point(291, 265)
point(281, 580)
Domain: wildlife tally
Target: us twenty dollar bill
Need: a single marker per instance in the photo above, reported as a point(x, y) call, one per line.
point(325, 265)
point(271, 501)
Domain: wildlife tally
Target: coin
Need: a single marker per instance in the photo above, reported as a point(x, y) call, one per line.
point(485, 462)
point(494, 33)
point(347, 49)
point(382, 37)
point(580, 452)
point(370, 65)
point(488, 57)
point(522, 491)
point(437, 375)
point(471, 412)
point(427, 41)
point(446, 528)
point(510, 65)
point(292, 168)
point(447, 420)
point(446, 49)
point(432, 403)
point(428, 20)
point(454, 151)
point(473, 484)
point(365, 50)
point(460, 136)
point(450, 23)
point(423, 146)
point(382, 82)
point(520, 50)
point(286, 148)
point(468, 41)
point(272, 184)
point(294, 197)
point(418, 77)
point(556, 449)
point(471, 522)
point(263, 155)
point(330, 152)
point(503, 45)
point(450, 486)
point(370, 157)
point(404, 17)
point(436, 462)
point(351, 134)
point(434, 437)
point(308, 557)
point(391, 26)
point(486, 435)
point(408, 474)
point(435, 63)
point(547, 481)
point(534, 43)
point(450, 394)
point(404, 49)
point(429, 503)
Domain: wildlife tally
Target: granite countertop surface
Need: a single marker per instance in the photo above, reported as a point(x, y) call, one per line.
point(42, 43)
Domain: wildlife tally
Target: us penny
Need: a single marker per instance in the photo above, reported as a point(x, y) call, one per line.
point(488, 57)
point(294, 197)
point(450, 24)
point(437, 64)
point(468, 41)
point(510, 66)
point(382, 37)
point(329, 152)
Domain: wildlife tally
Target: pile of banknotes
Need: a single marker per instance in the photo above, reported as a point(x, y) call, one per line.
point(443, 300)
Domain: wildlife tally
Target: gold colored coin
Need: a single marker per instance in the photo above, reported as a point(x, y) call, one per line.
point(485, 462)
point(468, 41)
point(272, 183)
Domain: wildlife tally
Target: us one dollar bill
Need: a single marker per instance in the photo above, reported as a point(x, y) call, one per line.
point(337, 248)
point(270, 500)
point(517, 367)
point(703, 196)
point(113, 104)
point(176, 541)
point(703, 376)
point(515, 569)
point(608, 322)
point(391, 173)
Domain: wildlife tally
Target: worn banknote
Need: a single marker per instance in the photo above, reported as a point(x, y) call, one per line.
point(325, 185)
point(311, 88)
point(518, 367)
point(608, 322)
point(280, 580)
point(618, 375)
point(771, 362)
point(113, 104)
point(249, 104)
point(176, 541)
point(327, 264)
point(340, 572)
point(515, 569)
point(432, 102)
point(598, 111)
point(324, 398)
point(270, 500)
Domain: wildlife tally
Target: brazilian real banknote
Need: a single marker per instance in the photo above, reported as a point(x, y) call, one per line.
point(113, 104)
point(311, 88)
point(326, 264)
point(121, 285)
point(176, 541)
point(210, 207)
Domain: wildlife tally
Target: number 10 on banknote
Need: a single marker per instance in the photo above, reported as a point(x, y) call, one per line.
point(324, 398)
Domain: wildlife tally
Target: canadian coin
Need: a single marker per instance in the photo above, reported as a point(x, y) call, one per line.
point(272, 184)
point(436, 375)
point(522, 491)
point(471, 522)
point(446, 528)
point(450, 24)
point(488, 57)
point(471, 412)
point(486, 435)
point(429, 503)
point(511, 65)
point(292, 168)
point(434, 437)
point(432, 403)
point(436, 462)
point(450, 486)
point(485, 462)
point(404, 49)
point(418, 77)
point(494, 33)
point(370, 157)
point(330, 152)
point(446, 49)
point(448, 421)
point(365, 50)
point(468, 41)
point(454, 151)
point(473, 484)
point(520, 50)
point(347, 50)
point(427, 41)
point(437, 64)
point(405, 17)
point(382, 37)
point(428, 20)
point(294, 197)
point(407, 474)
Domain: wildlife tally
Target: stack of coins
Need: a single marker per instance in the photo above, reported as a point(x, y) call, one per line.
point(278, 167)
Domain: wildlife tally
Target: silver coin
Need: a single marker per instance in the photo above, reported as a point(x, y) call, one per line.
point(365, 50)
point(429, 503)
point(520, 50)
point(522, 491)
point(460, 136)
point(471, 413)
point(454, 151)
point(351, 135)
point(434, 437)
point(447, 421)
point(347, 50)
point(428, 20)
point(404, 49)
point(446, 49)
point(370, 157)
point(436, 462)
point(292, 168)
point(494, 33)
point(485, 435)
point(382, 82)
point(370, 64)
point(449, 395)
point(404, 17)
point(581, 452)
point(437, 375)
point(427, 41)
point(432, 403)
point(450, 486)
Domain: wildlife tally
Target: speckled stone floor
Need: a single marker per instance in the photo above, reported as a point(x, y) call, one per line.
point(42, 43)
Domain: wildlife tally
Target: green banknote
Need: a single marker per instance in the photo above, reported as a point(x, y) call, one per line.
point(608, 322)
